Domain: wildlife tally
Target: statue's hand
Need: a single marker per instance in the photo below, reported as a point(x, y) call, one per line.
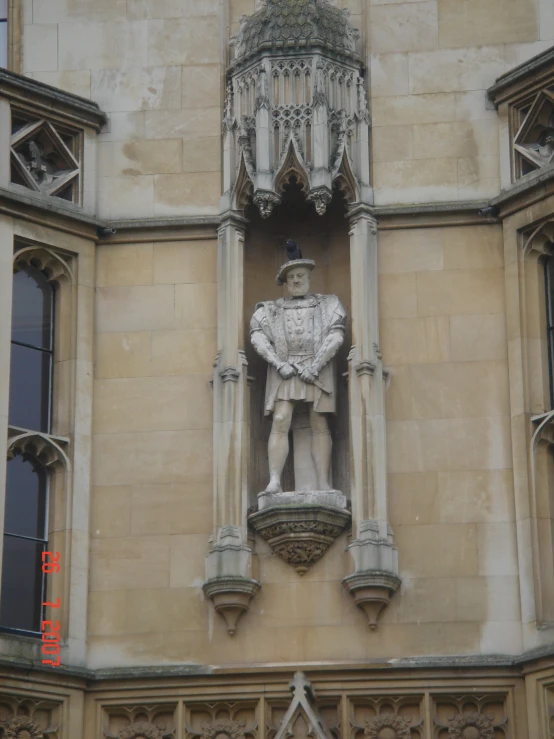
point(287, 371)
point(307, 376)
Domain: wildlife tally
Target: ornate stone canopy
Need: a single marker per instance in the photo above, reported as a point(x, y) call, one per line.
point(296, 108)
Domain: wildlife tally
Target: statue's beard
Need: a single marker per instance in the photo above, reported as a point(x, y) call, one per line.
point(299, 292)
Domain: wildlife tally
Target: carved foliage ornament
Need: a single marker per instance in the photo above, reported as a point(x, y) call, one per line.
point(388, 726)
point(140, 730)
point(471, 726)
point(231, 729)
point(300, 535)
point(21, 727)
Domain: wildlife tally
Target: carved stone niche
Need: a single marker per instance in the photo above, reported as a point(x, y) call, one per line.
point(299, 527)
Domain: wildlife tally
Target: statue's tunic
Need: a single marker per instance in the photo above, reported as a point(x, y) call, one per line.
point(297, 329)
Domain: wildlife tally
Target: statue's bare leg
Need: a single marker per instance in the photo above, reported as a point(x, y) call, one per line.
point(278, 448)
point(321, 448)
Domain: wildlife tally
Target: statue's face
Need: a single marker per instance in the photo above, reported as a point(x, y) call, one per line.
point(298, 282)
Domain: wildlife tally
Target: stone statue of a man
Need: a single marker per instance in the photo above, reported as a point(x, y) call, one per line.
point(298, 337)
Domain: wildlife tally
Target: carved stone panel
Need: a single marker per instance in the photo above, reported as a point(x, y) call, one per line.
point(45, 157)
point(139, 722)
point(387, 717)
point(23, 718)
point(534, 141)
point(221, 720)
point(470, 717)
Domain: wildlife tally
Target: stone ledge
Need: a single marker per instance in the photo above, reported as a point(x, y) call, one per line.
point(448, 662)
point(531, 187)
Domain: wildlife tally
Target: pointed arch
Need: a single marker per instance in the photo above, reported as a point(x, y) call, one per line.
point(49, 262)
point(44, 449)
point(291, 165)
point(244, 186)
point(345, 179)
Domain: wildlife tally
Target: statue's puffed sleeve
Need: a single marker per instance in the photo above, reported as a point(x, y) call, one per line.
point(333, 340)
point(259, 337)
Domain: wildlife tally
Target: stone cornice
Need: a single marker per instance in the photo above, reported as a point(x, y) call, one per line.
point(427, 215)
point(350, 671)
point(19, 202)
point(46, 99)
point(526, 78)
point(527, 190)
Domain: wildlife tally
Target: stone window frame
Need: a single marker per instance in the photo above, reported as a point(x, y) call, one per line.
point(67, 123)
point(532, 419)
point(49, 450)
point(66, 451)
point(515, 95)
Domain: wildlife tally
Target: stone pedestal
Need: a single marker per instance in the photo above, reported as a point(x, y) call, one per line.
point(301, 526)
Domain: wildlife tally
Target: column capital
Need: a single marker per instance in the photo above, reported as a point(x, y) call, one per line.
point(362, 211)
point(233, 218)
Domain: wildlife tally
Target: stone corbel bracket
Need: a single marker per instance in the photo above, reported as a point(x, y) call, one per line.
point(372, 591)
point(231, 597)
point(375, 579)
point(298, 533)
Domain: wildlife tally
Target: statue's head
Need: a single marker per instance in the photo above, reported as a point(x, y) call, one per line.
point(298, 281)
point(296, 275)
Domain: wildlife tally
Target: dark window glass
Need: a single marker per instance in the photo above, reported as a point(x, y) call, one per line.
point(22, 581)
point(25, 499)
point(30, 374)
point(549, 283)
point(32, 309)
point(32, 350)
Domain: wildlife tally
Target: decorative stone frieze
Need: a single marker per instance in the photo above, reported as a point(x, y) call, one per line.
point(300, 534)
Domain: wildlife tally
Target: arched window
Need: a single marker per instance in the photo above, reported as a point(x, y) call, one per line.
point(25, 526)
point(3, 33)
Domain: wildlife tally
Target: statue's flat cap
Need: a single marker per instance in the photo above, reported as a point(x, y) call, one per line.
point(285, 268)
